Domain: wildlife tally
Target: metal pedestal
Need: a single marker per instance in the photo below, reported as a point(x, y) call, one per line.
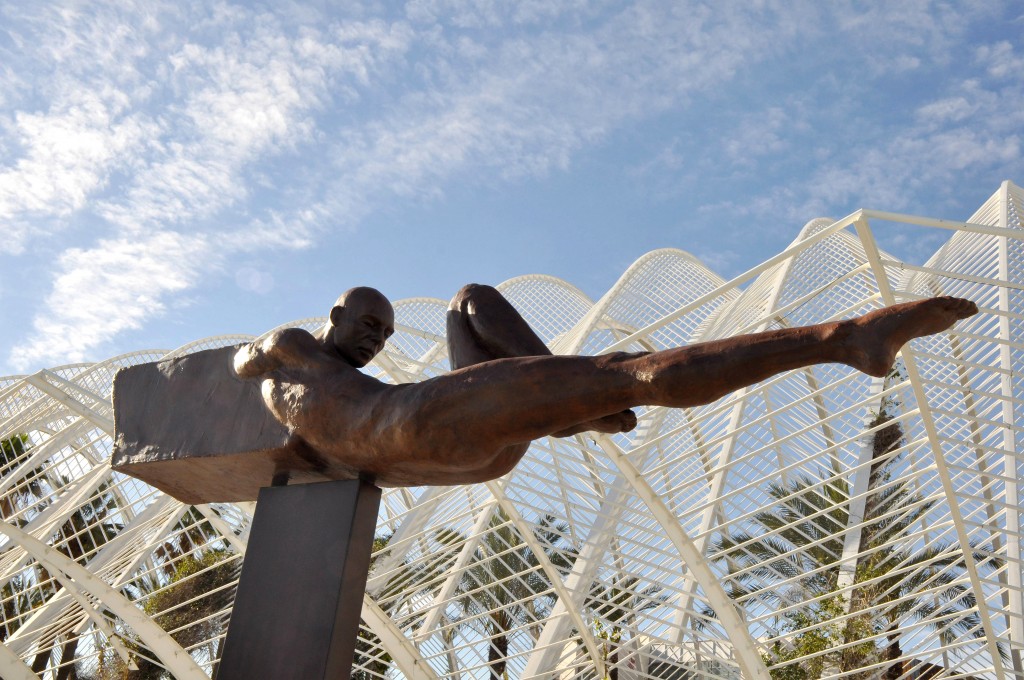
point(296, 614)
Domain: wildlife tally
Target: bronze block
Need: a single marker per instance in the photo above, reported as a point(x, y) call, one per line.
point(192, 428)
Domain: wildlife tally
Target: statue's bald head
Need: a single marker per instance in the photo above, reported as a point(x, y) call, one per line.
point(362, 293)
point(360, 322)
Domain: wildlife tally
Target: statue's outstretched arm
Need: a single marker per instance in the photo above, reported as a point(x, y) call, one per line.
point(287, 347)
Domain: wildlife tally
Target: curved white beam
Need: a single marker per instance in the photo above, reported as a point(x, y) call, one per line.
point(1014, 556)
point(747, 656)
point(405, 655)
point(56, 513)
point(12, 668)
point(43, 615)
point(44, 381)
point(74, 575)
point(963, 536)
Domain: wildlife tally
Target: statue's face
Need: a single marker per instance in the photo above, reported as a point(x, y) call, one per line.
point(362, 326)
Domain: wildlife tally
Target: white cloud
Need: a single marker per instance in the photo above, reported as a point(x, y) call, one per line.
point(102, 291)
point(1001, 60)
point(760, 134)
point(159, 134)
point(978, 130)
point(525, 106)
point(966, 125)
point(262, 129)
point(948, 110)
point(493, 13)
point(898, 37)
point(254, 94)
point(68, 155)
point(277, 231)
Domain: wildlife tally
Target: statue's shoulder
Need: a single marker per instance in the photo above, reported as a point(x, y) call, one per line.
point(288, 346)
point(297, 338)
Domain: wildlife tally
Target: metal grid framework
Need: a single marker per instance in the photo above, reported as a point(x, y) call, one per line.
point(818, 524)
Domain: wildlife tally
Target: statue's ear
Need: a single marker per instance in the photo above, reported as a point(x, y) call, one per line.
point(336, 313)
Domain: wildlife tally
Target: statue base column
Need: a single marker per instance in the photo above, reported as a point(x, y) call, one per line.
point(296, 614)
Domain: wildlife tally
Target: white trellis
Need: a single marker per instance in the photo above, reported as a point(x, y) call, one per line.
point(657, 565)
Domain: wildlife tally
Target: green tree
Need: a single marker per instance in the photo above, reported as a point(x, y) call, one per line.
point(504, 587)
point(187, 607)
point(20, 595)
point(611, 605)
point(800, 539)
point(88, 528)
point(84, 532)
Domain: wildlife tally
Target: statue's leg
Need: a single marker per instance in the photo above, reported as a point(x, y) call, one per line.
point(869, 343)
point(521, 397)
point(479, 420)
point(484, 326)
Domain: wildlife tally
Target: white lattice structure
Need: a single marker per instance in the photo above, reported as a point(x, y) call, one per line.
point(820, 524)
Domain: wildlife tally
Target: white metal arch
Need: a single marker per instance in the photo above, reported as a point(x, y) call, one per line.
point(74, 575)
point(747, 654)
point(864, 231)
point(984, 366)
point(42, 616)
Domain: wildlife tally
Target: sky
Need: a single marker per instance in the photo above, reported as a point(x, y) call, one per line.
point(176, 170)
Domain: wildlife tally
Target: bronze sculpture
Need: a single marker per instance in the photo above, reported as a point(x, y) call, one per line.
point(506, 389)
point(219, 424)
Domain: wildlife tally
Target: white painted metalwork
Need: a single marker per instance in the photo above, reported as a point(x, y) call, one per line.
point(74, 576)
point(645, 555)
point(404, 653)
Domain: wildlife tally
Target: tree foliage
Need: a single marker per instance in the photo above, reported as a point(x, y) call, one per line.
point(800, 540)
point(190, 607)
point(504, 588)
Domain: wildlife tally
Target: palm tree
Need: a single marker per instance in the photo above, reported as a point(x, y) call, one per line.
point(18, 595)
point(187, 606)
point(84, 532)
point(504, 587)
point(611, 604)
point(405, 583)
point(187, 591)
point(366, 665)
point(800, 539)
point(25, 492)
point(19, 598)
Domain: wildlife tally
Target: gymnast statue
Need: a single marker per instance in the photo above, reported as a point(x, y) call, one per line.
point(506, 389)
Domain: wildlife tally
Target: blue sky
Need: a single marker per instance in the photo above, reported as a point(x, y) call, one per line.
point(170, 171)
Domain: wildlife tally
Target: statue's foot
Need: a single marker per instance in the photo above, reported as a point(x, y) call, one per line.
point(870, 342)
point(623, 421)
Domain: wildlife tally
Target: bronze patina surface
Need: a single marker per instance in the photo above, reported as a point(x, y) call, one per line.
point(195, 409)
point(206, 429)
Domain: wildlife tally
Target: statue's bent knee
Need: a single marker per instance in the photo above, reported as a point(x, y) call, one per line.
point(474, 292)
